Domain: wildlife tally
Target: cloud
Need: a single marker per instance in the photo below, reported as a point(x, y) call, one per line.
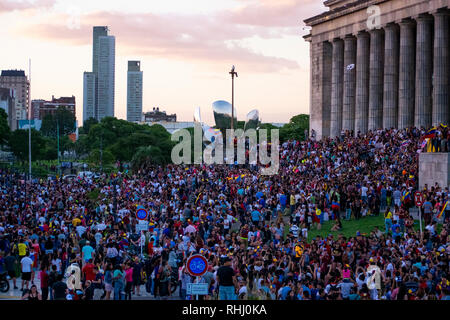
point(190, 37)
point(12, 5)
point(212, 38)
point(273, 13)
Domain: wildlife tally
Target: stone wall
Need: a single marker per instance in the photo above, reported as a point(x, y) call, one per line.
point(434, 167)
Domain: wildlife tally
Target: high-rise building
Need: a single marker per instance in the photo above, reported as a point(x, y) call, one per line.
point(98, 85)
point(8, 103)
point(97, 33)
point(106, 76)
point(16, 79)
point(89, 95)
point(134, 91)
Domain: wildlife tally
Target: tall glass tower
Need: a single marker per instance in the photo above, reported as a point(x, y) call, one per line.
point(134, 91)
point(99, 85)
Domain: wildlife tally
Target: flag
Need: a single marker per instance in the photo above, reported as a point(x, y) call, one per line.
point(431, 133)
point(198, 197)
point(335, 205)
point(442, 211)
point(407, 196)
point(443, 125)
point(404, 143)
point(424, 143)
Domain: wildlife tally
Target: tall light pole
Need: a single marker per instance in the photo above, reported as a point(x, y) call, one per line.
point(57, 142)
point(233, 73)
point(29, 121)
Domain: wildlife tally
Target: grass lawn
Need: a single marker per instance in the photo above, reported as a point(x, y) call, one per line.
point(349, 228)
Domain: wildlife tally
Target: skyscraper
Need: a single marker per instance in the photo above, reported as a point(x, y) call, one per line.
point(98, 85)
point(97, 33)
point(18, 81)
point(134, 91)
point(89, 95)
point(106, 76)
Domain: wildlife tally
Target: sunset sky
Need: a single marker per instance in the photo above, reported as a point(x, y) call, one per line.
point(186, 49)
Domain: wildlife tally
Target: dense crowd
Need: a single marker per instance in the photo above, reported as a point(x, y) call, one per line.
point(80, 237)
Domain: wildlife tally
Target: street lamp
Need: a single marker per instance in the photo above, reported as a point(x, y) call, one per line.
point(233, 73)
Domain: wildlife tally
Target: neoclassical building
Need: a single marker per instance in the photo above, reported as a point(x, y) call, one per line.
point(379, 64)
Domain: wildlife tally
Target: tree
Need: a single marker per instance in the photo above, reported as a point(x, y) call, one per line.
point(147, 156)
point(5, 131)
point(295, 129)
point(62, 117)
point(87, 125)
point(105, 157)
point(18, 143)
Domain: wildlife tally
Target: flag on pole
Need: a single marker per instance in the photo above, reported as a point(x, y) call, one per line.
point(442, 211)
point(198, 197)
point(431, 133)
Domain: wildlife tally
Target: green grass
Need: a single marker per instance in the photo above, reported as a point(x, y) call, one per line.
point(349, 228)
point(93, 195)
point(364, 225)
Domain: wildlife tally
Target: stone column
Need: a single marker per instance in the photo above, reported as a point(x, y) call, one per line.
point(320, 91)
point(362, 82)
point(441, 70)
point(406, 75)
point(390, 89)
point(376, 79)
point(348, 108)
point(424, 71)
point(337, 88)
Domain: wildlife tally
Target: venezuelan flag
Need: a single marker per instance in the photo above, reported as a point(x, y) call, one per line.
point(404, 143)
point(431, 133)
point(442, 211)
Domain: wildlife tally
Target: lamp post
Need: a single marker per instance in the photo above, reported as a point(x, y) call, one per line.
point(233, 73)
point(57, 142)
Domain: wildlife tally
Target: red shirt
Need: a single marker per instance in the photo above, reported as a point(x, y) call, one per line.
point(44, 279)
point(88, 271)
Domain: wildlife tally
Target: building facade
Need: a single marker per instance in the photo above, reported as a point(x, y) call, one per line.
point(8, 104)
point(89, 95)
point(379, 64)
point(16, 80)
point(158, 116)
point(134, 91)
point(40, 108)
point(99, 85)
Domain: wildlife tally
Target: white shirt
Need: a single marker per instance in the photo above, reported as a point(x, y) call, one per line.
point(26, 264)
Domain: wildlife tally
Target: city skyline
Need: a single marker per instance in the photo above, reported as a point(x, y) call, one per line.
point(186, 52)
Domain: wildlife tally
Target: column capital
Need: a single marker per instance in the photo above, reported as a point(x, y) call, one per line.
point(349, 37)
point(423, 17)
point(409, 23)
point(335, 40)
point(391, 26)
point(376, 31)
point(362, 34)
point(440, 12)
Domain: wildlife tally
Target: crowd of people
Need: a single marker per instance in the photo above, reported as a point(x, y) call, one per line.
point(81, 239)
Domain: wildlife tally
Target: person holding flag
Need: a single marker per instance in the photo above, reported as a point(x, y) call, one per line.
point(318, 218)
point(445, 208)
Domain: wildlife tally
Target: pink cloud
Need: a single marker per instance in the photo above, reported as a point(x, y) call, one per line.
point(181, 37)
point(10, 5)
point(273, 13)
point(204, 38)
